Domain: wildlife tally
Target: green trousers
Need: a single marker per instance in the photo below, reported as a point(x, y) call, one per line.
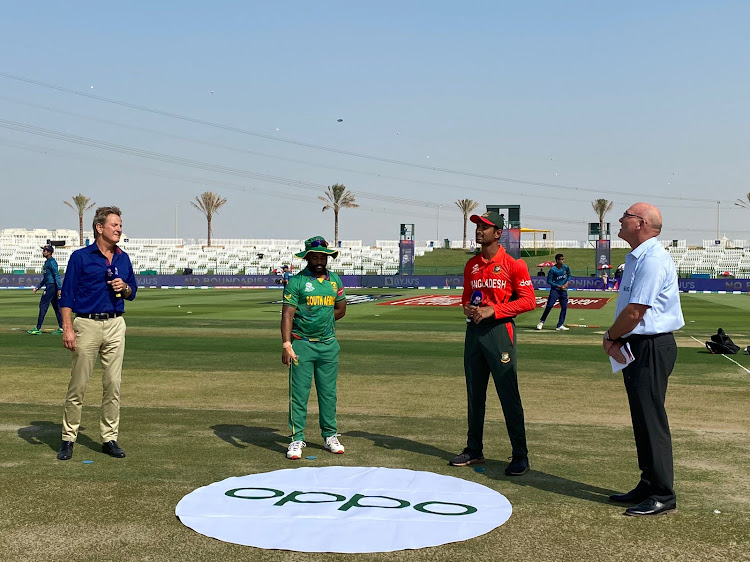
point(321, 361)
point(490, 347)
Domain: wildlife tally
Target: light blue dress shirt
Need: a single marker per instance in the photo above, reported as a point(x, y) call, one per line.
point(650, 278)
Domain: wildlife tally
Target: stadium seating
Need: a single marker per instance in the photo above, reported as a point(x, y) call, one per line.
point(728, 258)
point(20, 252)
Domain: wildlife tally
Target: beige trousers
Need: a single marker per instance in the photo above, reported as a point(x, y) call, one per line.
point(105, 338)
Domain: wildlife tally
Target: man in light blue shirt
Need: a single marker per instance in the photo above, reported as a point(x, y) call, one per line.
point(648, 311)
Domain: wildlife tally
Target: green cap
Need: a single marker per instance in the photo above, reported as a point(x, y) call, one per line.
point(317, 244)
point(490, 217)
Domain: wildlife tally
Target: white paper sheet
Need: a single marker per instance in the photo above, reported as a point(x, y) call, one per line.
point(629, 358)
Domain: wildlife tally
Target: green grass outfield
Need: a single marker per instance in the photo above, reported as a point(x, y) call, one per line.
point(204, 398)
point(581, 261)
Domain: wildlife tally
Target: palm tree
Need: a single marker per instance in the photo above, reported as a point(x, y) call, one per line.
point(80, 201)
point(744, 204)
point(466, 206)
point(602, 207)
point(337, 197)
point(209, 203)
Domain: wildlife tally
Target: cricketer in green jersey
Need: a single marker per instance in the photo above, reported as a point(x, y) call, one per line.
point(314, 300)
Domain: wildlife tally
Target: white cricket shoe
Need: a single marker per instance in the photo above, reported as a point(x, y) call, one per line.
point(562, 328)
point(333, 445)
point(294, 451)
point(540, 326)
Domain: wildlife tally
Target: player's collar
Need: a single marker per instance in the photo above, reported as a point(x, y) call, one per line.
point(95, 248)
point(496, 257)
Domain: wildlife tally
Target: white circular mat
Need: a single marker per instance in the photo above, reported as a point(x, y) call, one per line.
point(343, 509)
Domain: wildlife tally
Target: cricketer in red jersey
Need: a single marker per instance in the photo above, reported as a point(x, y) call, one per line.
point(490, 345)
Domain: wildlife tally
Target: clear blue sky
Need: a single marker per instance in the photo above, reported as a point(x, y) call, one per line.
point(624, 101)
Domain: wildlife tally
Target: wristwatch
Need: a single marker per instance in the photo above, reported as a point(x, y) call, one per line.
point(606, 337)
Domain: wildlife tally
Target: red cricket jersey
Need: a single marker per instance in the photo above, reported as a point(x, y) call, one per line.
point(505, 284)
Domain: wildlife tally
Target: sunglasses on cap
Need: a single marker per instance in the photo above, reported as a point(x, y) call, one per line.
point(318, 243)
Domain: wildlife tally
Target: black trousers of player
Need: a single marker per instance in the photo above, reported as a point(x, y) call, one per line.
point(489, 348)
point(646, 385)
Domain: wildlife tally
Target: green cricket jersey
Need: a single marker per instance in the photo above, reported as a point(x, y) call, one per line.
point(314, 300)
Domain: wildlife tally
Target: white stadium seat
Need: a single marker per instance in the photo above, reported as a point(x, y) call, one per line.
point(20, 250)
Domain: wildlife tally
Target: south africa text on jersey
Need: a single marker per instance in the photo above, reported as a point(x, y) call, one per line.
point(320, 300)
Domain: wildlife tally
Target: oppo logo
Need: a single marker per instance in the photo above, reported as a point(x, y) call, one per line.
point(372, 509)
point(355, 501)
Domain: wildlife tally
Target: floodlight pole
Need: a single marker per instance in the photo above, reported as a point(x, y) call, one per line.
point(177, 206)
point(437, 231)
point(717, 219)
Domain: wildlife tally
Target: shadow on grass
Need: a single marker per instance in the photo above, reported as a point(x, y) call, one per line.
point(495, 470)
point(49, 433)
point(399, 443)
point(554, 484)
point(243, 436)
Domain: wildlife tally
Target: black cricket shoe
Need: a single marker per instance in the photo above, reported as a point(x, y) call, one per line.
point(518, 466)
point(66, 451)
point(112, 449)
point(651, 507)
point(466, 458)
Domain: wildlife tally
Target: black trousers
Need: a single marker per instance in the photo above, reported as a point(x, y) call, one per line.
point(490, 348)
point(646, 384)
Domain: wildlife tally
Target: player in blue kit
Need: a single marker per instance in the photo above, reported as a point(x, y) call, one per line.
point(558, 278)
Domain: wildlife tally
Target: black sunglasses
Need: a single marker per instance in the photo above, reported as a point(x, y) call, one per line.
point(318, 243)
point(627, 215)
